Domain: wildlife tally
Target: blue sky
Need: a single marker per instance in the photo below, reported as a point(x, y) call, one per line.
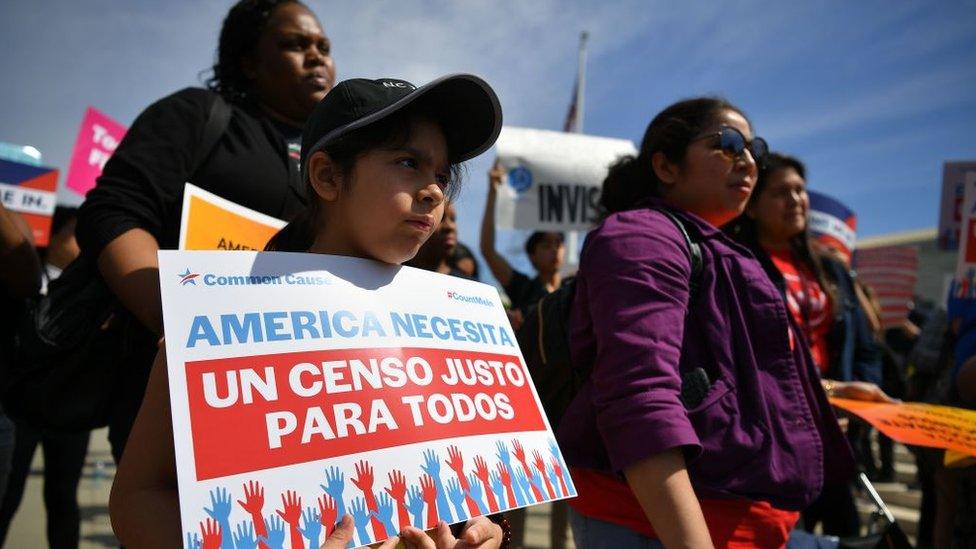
point(873, 96)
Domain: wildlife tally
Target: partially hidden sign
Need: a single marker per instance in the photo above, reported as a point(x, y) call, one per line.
point(832, 223)
point(98, 138)
point(30, 190)
point(210, 222)
point(554, 178)
point(307, 387)
point(919, 424)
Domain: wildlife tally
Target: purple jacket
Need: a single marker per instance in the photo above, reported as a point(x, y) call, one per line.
point(764, 432)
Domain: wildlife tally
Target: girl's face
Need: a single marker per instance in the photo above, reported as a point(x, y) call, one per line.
point(780, 210)
point(292, 67)
point(391, 202)
point(708, 183)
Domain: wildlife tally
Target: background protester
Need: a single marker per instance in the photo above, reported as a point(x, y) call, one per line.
point(378, 186)
point(20, 279)
point(546, 251)
point(436, 254)
point(820, 295)
point(64, 452)
point(688, 463)
point(463, 260)
point(273, 66)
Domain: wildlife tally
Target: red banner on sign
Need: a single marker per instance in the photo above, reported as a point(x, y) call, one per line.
point(257, 412)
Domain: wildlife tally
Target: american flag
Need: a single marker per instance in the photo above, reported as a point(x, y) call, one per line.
point(570, 124)
point(574, 118)
point(890, 271)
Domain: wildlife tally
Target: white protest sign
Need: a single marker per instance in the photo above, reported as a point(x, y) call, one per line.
point(341, 385)
point(554, 178)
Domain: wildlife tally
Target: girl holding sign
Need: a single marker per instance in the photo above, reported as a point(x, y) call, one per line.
point(701, 393)
point(379, 158)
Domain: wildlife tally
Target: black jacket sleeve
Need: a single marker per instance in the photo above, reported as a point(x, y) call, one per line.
point(857, 340)
point(143, 180)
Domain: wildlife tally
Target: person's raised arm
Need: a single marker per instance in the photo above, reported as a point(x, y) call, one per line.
point(499, 267)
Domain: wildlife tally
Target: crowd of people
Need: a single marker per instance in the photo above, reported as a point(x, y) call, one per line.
point(711, 325)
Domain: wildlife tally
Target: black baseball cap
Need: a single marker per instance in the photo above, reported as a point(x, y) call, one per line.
point(464, 103)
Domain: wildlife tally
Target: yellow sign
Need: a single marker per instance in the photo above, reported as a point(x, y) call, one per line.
point(919, 424)
point(956, 460)
point(210, 222)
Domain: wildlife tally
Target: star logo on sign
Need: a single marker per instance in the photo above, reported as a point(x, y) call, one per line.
point(188, 277)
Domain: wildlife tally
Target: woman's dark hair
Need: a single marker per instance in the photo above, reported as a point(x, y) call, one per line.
point(745, 229)
point(631, 179)
point(391, 132)
point(238, 39)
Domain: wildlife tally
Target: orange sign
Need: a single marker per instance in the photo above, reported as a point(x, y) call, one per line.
point(918, 424)
point(213, 223)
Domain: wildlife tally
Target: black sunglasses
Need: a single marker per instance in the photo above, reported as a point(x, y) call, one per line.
point(733, 144)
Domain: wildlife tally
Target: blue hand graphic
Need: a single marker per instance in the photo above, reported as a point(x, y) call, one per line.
point(221, 507)
point(193, 541)
point(335, 485)
point(477, 493)
point(276, 533)
point(244, 537)
point(456, 494)
point(523, 484)
point(554, 480)
point(537, 482)
point(415, 504)
point(432, 466)
point(384, 512)
point(503, 454)
point(499, 489)
point(360, 516)
point(554, 450)
point(313, 526)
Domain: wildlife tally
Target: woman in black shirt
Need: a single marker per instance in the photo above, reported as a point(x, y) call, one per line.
point(274, 65)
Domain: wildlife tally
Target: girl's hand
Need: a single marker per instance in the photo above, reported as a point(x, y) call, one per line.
point(861, 390)
point(478, 533)
point(340, 538)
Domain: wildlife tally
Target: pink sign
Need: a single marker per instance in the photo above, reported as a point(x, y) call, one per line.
point(98, 137)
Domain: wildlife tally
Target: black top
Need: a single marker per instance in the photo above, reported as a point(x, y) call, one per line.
point(142, 187)
point(142, 184)
point(524, 291)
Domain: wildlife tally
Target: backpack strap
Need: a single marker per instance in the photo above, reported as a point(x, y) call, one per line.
point(217, 121)
point(694, 253)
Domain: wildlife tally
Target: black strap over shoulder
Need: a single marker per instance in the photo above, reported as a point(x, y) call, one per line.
point(217, 121)
point(694, 253)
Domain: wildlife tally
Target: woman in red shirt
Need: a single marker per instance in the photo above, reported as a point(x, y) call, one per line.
point(819, 293)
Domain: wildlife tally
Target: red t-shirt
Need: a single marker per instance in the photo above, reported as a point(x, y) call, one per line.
point(808, 303)
point(732, 523)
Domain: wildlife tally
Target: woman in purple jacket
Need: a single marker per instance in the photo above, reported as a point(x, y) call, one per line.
point(733, 468)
